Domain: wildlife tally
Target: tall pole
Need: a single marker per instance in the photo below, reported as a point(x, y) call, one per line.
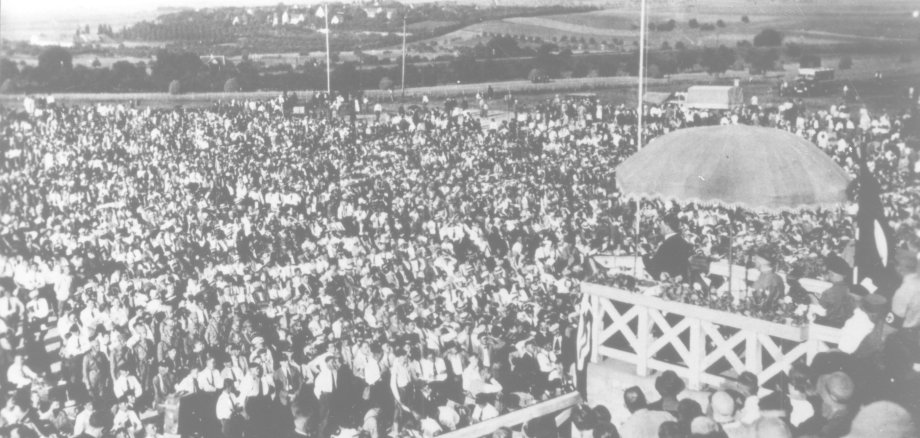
point(404, 59)
point(641, 91)
point(639, 127)
point(328, 58)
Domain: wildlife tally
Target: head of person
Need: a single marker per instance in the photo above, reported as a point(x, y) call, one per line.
point(722, 406)
point(688, 410)
point(669, 224)
point(769, 427)
point(634, 399)
point(502, 432)
point(602, 413)
point(584, 418)
point(670, 429)
point(669, 384)
point(836, 391)
point(705, 427)
point(606, 430)
point(838, 270)
point(883, 419)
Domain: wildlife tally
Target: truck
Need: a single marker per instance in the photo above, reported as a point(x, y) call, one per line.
point(817, 81)
point(713, 97)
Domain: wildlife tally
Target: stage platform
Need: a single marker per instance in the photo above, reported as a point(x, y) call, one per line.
point(608, 379)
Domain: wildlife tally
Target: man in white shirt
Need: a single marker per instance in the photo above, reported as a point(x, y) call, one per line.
point(126, 385)
point(19, 374)
point(324, 389)
point(209, 378)
point(227, 410)
point(81, 422)
point(871, 309)
point(484, 409)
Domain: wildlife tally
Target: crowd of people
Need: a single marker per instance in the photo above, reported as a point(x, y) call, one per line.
point(248, 272)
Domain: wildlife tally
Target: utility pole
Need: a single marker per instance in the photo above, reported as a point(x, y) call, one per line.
point(404, 58)
point(328, 58)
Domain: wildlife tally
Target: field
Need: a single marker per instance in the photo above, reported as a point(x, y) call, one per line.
point(822, 22)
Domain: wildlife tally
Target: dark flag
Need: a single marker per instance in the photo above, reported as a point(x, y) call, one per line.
point(874, 242)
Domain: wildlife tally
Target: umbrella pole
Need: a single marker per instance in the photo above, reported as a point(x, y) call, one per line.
point(636, 251)
point(731, 245)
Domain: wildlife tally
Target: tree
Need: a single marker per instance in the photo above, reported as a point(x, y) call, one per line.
point(763, 60)
point(175, 87)
point(845, 63)
point(810, 60)
point(720, 23)
point(96, 63)
point(654, 71)
point(793, 50)
point(768, 38)
point(54, 61)
point(693, 23)
point(665, 46)
point(680, 45)
point(232, 85)
point(385, 83)
point(745, 19)
point(717, 61)
point(686, 59)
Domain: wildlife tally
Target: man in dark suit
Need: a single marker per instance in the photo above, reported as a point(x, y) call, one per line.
point(288, 379)
point(673, 256)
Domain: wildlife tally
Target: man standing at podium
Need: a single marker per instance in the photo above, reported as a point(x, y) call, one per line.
point(673, 255)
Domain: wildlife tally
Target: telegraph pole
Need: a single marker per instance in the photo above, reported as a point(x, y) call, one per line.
point(404, 58)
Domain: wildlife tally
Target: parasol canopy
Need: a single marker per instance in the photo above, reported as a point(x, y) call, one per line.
point(735, 166)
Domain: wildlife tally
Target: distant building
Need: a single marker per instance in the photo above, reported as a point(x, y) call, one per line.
point(45, 41)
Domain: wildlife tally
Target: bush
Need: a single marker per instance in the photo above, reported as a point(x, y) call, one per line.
point(7, 87)
point(720, 23)
point(845, 63)
point(693, 23)
point(385, 83)
point(745, 19)
point(232, 85)
point(793, 50)
point(175, 87)
point(768, 38)
point(810, 60)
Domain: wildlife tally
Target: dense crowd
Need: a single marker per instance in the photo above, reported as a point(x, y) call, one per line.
point(315, 275)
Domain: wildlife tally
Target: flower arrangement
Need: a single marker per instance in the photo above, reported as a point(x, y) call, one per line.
point(756, 305)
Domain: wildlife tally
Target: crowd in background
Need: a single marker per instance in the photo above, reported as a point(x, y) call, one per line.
point(313, 275)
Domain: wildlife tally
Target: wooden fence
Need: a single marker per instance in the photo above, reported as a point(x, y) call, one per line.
point(705, 346)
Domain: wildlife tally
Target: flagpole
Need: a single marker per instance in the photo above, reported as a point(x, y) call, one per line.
point(328, 58)
point(404, 58)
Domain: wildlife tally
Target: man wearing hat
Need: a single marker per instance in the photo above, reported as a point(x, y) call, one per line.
point(836, 299)
point(288, 379)
point(768, 281)
point(673, 255)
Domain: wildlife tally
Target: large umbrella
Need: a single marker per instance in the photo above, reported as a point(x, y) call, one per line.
point(735, 166)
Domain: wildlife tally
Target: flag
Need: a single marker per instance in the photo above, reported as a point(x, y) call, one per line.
point(874, 243)
point(321, 12)
point(583, 341)
point(335, 19)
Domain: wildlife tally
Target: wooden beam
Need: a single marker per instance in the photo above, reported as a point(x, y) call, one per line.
point(517, 417)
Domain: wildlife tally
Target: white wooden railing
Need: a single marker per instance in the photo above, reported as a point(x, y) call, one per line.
point(703, 345)
point(561, 406)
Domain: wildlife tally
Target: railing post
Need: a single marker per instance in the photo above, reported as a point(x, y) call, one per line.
point(813, 346)
point(697, 353)
point(752, 353)
point(597, 326)
point(644, 335)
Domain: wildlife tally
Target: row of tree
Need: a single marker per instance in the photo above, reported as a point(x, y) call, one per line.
point(499, 60)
